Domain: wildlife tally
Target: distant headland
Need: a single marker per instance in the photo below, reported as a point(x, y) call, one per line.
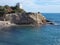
point(14, 15)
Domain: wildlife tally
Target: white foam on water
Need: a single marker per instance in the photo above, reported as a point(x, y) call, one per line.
point(56, 23)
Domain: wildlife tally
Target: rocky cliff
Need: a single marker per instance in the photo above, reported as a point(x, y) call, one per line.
point(26, 18)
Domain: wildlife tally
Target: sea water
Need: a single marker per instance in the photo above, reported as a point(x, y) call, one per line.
point(27, 35)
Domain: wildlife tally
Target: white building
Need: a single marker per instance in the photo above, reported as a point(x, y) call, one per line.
point(19, 5)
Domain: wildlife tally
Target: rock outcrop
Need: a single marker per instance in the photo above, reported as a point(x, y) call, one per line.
point(26, 18)
point(50, 22)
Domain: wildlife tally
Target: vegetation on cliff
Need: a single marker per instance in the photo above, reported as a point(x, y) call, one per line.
point(10, 9)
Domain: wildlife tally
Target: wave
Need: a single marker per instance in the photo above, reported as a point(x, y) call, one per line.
point(57, 24)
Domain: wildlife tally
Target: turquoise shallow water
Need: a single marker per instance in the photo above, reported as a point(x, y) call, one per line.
point(44, 35)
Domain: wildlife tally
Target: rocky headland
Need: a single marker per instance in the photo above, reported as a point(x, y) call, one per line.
point(24, 19)
point(14, 15)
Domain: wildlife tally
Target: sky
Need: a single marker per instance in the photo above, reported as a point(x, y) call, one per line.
point(43, 6)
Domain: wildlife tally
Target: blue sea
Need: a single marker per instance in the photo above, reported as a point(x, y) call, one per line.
point(27, 35)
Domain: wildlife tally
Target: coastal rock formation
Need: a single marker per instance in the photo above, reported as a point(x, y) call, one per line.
point(50, 22)
point(39, 18)
point(26, 18)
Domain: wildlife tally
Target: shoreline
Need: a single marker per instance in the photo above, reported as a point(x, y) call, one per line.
point(8, 24)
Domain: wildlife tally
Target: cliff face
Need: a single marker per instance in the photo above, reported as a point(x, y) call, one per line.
point(39, 18)
point(26, 18)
